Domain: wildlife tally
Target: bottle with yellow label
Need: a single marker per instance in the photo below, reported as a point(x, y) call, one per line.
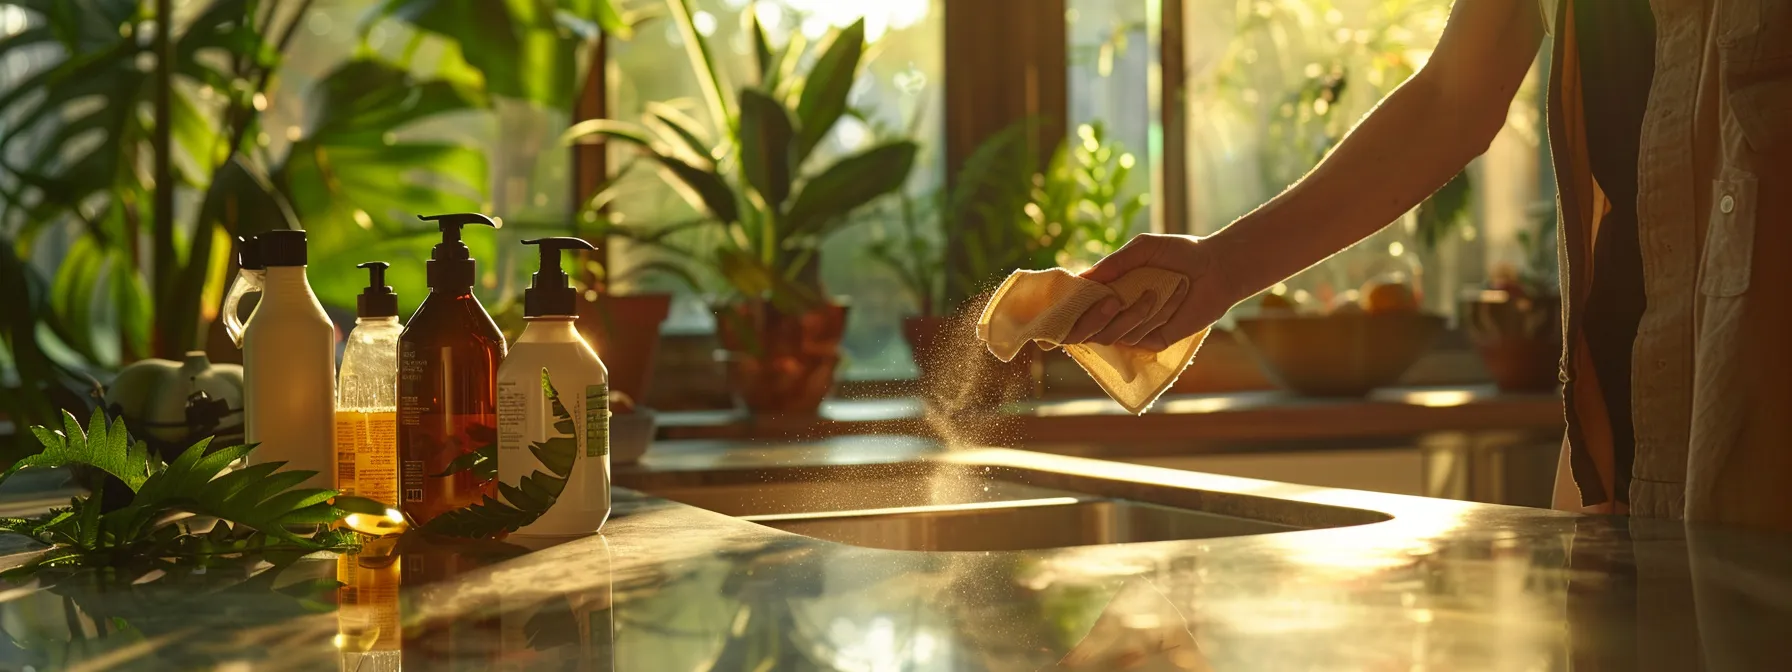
point(367, 397)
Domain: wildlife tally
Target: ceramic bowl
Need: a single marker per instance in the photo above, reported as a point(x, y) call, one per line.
point(1345, 354)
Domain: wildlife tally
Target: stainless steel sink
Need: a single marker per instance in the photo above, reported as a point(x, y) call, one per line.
point(1015, 526)
point(961, 505)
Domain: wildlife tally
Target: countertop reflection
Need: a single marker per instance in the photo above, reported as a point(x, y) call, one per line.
point(1442, 586)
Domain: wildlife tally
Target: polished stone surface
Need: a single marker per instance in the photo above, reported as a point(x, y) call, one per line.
point(1438, 585)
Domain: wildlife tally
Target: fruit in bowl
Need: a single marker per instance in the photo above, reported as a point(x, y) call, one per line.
point(1367, 339)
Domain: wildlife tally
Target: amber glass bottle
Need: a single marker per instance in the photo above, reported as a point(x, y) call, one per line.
point(448, 359)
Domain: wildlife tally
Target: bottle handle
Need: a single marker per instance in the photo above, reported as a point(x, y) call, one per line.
point(247, 282)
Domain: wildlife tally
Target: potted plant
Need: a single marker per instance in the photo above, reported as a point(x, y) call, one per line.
point(767, 201)
point(1516, 323)
point(1009, 215)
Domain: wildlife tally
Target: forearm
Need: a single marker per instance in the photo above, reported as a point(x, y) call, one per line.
point(1418, 138)
point(1404, 150)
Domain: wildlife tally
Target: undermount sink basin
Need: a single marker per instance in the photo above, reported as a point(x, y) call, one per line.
point(1016, 526)
point(940, 506)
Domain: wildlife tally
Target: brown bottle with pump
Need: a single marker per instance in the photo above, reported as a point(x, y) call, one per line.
point(448, 360)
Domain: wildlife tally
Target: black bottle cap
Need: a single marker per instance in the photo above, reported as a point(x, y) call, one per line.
point(248, 253)
point(282, 247)
point(450, 263)
point(377, 300)
point(550, 293)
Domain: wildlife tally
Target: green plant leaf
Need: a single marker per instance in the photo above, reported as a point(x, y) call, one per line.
point(765, 137)
point(521, 47)
point(702, 188)
point(482, 462)
point(702, 62)
point(260, 496)
point(763, 60)
point(825, 89)
point(603, 13)
point(1444, 211)
point(108, 449)
point(849, 184)
point(681, 129)
point(531, 497)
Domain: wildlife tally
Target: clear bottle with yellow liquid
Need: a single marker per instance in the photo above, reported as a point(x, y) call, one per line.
point(367, 400)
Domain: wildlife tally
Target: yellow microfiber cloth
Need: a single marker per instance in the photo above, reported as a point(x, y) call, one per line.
point(1042, 306)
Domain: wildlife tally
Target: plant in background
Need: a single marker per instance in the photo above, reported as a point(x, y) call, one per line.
point(134, 152)
point(750, 176)
point(186, 511)
point(1537, 273)
point(1009, 215)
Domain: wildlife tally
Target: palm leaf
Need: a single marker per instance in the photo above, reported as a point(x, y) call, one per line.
point(107, 449)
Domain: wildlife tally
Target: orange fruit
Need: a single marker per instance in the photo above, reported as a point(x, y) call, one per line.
point(1389, 297)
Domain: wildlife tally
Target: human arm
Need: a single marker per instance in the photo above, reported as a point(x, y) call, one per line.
point(1413, 142)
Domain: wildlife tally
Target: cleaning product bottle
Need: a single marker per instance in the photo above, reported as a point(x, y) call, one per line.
point(289, 366)
point(447, 360)
point(250, 277)
point(367, 396)
point(526, 415)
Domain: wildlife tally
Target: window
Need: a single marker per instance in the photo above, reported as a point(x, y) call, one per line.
point(1272, 85)
point(898, 91)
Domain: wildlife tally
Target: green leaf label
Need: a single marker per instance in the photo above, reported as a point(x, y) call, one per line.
point(597, 420)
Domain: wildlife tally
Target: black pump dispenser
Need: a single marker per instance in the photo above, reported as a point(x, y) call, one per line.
point(377, 300)
point(550, 294)
point(450, 262)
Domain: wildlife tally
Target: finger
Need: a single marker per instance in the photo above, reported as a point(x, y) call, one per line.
point(1186, 322)
point(1126, 320)
point(1162, 317)
point(1134, 254)
point(1092, 321)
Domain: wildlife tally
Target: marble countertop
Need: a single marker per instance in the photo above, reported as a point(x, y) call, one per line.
point(1439, 585)
point(1225, 419)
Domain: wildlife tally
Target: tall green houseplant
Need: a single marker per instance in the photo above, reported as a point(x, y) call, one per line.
point(754, 177)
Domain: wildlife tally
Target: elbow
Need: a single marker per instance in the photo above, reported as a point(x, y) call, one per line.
point(1472, 109)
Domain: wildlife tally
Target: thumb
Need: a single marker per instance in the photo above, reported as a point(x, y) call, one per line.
point(1130, 256)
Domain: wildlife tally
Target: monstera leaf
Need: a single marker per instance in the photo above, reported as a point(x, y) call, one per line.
point(359, 187)
point(525, 49)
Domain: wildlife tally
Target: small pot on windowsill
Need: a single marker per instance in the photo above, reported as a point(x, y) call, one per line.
point(780, 363)
point(625, 331)
point(958, 374)
point(1518, 335)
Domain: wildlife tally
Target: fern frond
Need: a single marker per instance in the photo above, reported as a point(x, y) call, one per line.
point(108, 449)
point(531, 497)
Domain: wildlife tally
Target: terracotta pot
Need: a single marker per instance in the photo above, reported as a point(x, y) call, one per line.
point(625, 330)
point(957, 372)
point(779, 363)
point(1519, 338)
